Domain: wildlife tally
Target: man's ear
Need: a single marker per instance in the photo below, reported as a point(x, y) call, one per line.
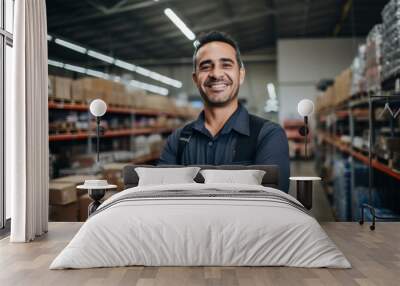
point(242, 73)
point(194, 78)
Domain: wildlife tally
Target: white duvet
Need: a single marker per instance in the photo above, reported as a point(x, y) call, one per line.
point(204, 231)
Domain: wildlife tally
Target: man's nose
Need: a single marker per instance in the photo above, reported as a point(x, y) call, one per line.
point(216, 73)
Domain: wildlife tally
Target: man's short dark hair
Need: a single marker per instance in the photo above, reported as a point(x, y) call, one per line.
point(216, 36)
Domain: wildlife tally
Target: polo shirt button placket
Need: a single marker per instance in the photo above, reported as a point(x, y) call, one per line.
point(210, 144)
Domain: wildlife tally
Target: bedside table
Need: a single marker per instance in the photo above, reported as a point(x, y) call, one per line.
point(96, 190)
point(304, 187)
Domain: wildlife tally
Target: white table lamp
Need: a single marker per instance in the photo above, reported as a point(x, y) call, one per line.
point(96, 188)
point(304, 185)
point(98, 108)
point(305, 108)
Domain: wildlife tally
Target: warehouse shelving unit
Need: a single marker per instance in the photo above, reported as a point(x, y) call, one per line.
point(345, 148)
point(355, 114)
point(131, 114)
point(72, 131)
point(108, 133)
point(122, 110)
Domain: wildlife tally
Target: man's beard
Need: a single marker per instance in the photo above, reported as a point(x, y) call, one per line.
point(216, 103)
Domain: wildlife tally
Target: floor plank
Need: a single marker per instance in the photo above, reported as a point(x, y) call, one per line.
point(375, 257)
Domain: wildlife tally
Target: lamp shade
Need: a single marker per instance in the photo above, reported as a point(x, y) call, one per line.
point(305, 107)
point(98, 107)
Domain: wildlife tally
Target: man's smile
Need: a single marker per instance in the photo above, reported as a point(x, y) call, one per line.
point(217, 86)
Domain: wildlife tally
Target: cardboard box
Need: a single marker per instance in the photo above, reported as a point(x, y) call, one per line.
point(62, 193)
point(91, 95)
point(69, 212)
point(329, 97)
point(62, 88)
point(342, 86)
point(137, 100)
point(77, 91)
point(113, 174)
point(93, 88)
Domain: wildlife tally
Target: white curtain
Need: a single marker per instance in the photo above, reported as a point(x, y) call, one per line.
point(27, 124)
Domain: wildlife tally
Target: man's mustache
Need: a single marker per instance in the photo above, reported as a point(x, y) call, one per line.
point(210, 81)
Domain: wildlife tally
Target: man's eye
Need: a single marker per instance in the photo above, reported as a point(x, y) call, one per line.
point(227, 65)
point(204, 67)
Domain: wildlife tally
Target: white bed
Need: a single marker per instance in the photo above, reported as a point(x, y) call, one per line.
point(250, 226)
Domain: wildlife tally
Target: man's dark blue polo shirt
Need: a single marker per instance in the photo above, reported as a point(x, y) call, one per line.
point(204, 149)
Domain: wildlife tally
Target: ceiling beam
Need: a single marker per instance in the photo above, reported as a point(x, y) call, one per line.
point(346, 8)
point(109, 12)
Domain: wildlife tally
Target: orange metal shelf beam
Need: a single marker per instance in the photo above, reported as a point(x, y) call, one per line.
point(85, 107)
point(110, 133)
point(359, 156)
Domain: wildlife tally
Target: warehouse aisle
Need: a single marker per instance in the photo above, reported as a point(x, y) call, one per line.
point(321, 210)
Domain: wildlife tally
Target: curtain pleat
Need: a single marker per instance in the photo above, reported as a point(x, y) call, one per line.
point(29, 157)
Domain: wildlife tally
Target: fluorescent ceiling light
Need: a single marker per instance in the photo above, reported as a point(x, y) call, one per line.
point(125, 65)
point(175, 83)
point(120, 63)
point(155, 76)
point(271, 90)
point(149, 87)
point(170, 81)
point(71, 46)
point(99, 74)
point(163, 91)
point(74, 68)
point(96, 73)
point(142, 71)
point(101, 56)
point(55, 63)
point(180, 24)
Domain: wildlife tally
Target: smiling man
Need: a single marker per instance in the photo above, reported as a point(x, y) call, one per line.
point(225, 133)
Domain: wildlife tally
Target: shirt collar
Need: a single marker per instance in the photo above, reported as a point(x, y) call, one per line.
point(239, 121)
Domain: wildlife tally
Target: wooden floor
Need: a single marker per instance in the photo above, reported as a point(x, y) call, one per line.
point(375, 256)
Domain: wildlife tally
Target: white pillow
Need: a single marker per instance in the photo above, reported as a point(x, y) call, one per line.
point(248, 177)
point(164, 176)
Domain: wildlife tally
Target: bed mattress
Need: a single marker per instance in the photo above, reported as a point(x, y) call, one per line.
point(201, 225)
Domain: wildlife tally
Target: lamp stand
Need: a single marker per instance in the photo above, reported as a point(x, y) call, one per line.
point(304, 132)
point(96, 195)
point(305, 135)
point(98, 138)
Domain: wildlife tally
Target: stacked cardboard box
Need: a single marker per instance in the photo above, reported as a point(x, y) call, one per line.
point(359, 84)
point(91, 88)
point(374, 59)
point(113, 174)
point(342, 87)
point(391, 39)
point(114, 94)
point(77, 91)
point(69, 204)
point(329, 97)
point(63, 202)
point(319, 103)
point(336, 94)
point(59, 88)
point(159, 102)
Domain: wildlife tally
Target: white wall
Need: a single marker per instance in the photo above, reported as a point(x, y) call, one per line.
point(303, 62)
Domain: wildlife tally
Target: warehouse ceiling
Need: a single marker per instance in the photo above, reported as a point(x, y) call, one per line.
point(138, 30)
